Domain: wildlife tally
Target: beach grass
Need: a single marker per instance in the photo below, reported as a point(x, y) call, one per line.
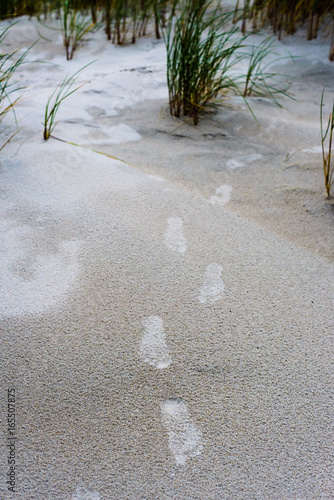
point(62, 92)
point(259, 81)
point(74, 27)
point(327, 137)
point(124, 20)
point(285, 17)
point(201, 51)
point(204, 47)
point(9, 85)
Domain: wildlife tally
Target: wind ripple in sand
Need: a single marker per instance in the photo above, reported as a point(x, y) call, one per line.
point(185, 440)
point(153, 347)
point(174, 237)
point(222, 196)
point(213, 286)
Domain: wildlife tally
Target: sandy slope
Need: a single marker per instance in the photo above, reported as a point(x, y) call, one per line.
point(167, 325)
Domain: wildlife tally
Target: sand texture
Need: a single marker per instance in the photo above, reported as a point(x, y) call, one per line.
point(167, 323)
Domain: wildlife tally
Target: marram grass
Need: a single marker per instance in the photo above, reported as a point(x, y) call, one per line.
point(62, 92)
point(286, 16)
point(203, 49)
point(124, 20)
point(9, 86)
point(327, 135)
point(259, 80)
point(74, 27)
point(200, 55)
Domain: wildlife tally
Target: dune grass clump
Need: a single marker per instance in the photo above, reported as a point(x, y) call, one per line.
point(62, 92)
point(74, 27)
point(259, 80)
point(118, 13)
point(124, 20)
point(200, 54)
point(74, 23)
point(8, 85)
point(286, 15)
point(129, 19)
point(15, 8)
point(204, 47)
point(327, 135)
point(331, 49)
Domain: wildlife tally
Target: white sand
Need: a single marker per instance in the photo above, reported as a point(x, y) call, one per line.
point(217, 238)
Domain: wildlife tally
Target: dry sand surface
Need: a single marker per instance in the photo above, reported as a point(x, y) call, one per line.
point(166, 324)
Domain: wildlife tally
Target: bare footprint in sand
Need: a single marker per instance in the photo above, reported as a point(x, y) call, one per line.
point(153, 347)
point(33, 281)
point(174, 237)
point(82, 493)
point(222, 196)
point(213, 286)
point(185, 440)
point(241, 161)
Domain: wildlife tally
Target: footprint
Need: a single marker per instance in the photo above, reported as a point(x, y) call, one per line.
point(213, 286)
point(235, 163)
point(82, 493)
point(34, 281)
point(174, 238)
point(315, 150)
point(153, 347)
point(185, 440)
point(242, 160)
point(112, 135)
point(222, 196)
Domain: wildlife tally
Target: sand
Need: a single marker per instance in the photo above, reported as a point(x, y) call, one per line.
point(166, 323)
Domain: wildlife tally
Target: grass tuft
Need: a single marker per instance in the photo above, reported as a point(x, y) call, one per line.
point(258, 80)
point(285, 16)
point(8, 86)
point(327, 151)
point(62, 92)
point(74, 27)
point(201, 50)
